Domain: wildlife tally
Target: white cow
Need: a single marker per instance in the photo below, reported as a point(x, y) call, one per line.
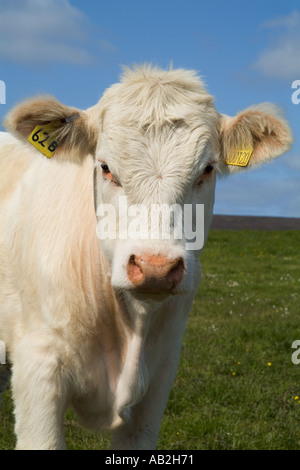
point(98, 323)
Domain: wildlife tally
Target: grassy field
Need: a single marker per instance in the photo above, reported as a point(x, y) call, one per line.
point(236, 386)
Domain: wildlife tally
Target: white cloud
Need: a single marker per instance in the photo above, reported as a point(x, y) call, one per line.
point(44, 31)
point(272, 190)
point(288, 21)
point(290, 161)
point(281, 59)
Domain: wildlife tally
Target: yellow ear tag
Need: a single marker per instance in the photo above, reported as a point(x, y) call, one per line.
point(42, 140)
point(240, 158)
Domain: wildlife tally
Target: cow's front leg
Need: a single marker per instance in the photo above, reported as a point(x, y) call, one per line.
point(141, 429)
point(39, 395)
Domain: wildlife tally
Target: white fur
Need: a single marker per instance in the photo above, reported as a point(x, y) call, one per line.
point(75, 329)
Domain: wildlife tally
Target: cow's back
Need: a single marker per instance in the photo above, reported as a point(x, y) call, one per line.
point(47, 232)
point(55, 290)
point(14, 162)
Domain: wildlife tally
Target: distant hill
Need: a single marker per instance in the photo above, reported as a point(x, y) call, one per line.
point(239, 222)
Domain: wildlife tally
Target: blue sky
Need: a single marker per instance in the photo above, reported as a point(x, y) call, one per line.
point(247, 53)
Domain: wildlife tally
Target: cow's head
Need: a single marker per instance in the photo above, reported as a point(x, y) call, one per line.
point(158, 143)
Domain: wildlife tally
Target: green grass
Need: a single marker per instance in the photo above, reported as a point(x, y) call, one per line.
point(236, 384)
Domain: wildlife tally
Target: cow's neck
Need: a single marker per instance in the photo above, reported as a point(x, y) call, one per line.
point(133, 379)
point(129, 322)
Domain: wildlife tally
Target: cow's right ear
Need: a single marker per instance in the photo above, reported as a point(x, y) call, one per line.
point(73, 130)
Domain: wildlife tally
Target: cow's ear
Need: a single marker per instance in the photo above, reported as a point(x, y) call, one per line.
point(253, 137)
point(71, 128)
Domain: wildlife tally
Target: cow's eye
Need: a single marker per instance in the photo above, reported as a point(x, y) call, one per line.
point(206, 174)
point(208, 170)
point(106, 171)
point(105, 168)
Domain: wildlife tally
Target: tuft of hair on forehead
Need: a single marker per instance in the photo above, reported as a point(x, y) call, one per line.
point(148, 96)
point(149, 75)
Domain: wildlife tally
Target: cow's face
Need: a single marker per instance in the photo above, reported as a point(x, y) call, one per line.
point(157, 157)
point(158, 143)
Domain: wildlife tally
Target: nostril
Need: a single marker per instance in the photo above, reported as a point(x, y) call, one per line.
point(134, 271)
point(176, 273)
point(131, 259)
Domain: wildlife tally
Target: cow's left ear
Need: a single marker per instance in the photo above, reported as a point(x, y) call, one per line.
point(71, 128)
point(253, 137)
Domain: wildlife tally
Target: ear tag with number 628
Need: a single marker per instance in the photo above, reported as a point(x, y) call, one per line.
point(40, 138)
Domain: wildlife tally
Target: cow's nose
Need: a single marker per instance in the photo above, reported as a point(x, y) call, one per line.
point(155, 273)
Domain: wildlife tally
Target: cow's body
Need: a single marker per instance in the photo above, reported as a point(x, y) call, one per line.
point(98, 341)
point(79, 324)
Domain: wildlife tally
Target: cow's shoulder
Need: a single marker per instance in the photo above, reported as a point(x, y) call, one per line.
point(15, 159)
